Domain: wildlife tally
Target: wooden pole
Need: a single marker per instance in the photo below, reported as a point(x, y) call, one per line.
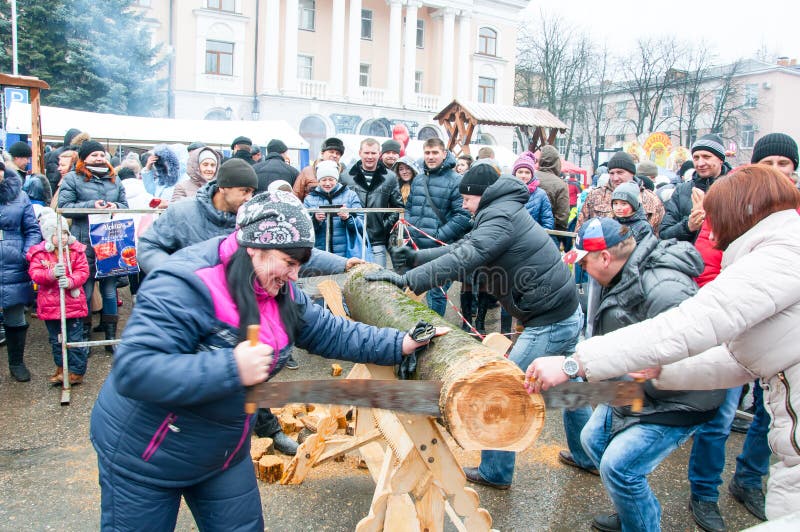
point(37, 161)
point(483, 402)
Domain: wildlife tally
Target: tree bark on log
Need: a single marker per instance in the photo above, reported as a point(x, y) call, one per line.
point(483, 402)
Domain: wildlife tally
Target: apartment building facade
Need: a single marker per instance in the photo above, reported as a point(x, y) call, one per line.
point(336, 66)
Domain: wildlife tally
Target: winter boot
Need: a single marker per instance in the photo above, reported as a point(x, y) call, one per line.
point(109, 323)
point(15, 337)
point(466, 310)
point(57, 377)
point(505, 322)
point(485, 302)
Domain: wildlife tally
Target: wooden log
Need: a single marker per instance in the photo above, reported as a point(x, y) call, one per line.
point(483, 402)
point(260, 447)
point(336, 370)
point(270, 468)
point(289, 423)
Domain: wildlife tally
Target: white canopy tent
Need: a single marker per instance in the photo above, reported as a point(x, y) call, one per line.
point(144, 132)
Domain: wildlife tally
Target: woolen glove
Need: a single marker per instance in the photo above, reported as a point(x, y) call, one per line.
point(59, 270)
point(388, 276)
point(403, 258)
point(63, 282)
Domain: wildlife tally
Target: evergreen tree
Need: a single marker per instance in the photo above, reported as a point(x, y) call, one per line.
point(96, 56)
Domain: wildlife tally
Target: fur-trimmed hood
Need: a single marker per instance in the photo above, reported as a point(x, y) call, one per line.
point(167, 169)
point(10, 186)
point(193, 165)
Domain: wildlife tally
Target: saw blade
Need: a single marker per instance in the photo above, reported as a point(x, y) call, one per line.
point(572, 395)
point(419, 397)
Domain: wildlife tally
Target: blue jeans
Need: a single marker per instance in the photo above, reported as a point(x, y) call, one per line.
point(437, 301)
point(557, 338)
point(76, 356)
point(379, 255)
point(624, 461)
point(708, 450)
point(753, 464)
point(108, 291)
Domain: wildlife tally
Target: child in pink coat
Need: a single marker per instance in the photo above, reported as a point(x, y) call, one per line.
point(51, 276)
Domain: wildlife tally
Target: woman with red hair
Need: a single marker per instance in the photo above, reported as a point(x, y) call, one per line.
point(738, 327)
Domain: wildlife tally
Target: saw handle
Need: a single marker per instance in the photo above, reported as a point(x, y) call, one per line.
point(252, 337)
point(638, 403)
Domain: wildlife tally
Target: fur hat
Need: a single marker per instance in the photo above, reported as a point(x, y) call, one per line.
point(622, 160)
point(236, 173)
point(274, 220)
point(277, 146)
point(628, 192)
point(775, 144)
point(167, 168)
point(88, 148)
point(20, 149)
point(333, 143)
point(710, 143)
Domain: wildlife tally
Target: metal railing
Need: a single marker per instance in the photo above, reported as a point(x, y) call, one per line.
point(330, 212)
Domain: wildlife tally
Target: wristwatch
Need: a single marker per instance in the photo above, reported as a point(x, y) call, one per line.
point(571, 367)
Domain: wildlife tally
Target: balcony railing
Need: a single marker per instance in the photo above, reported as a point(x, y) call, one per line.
point(309, 88)
point(428, 102)
point(372, 96)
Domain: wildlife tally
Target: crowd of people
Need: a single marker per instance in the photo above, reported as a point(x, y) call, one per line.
point(684, 283)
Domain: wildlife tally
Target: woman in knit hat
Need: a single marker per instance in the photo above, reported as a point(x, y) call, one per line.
point(94, 185)
point(169, 420)
point(538, 204)
point(200, 169)
point(626, 204)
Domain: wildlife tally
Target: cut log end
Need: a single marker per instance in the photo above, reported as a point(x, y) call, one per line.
point(270, 468)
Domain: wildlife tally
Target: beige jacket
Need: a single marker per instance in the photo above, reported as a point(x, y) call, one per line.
point(743, 325)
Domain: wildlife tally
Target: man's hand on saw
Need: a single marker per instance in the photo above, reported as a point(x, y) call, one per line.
point(252, 362)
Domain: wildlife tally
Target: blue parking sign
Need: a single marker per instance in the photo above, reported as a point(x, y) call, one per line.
point(14, 94)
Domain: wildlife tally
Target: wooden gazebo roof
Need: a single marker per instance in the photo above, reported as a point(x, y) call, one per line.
point(461, 118)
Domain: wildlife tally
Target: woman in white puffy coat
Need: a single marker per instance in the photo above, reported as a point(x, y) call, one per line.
point(741, 326)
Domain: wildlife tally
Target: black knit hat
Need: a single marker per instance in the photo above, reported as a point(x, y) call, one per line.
point(477, 179)
point(622, 160)
point(241, 140)
point(276, 146)
point(775, 144)
point(274, 220)
point(237, 173)
point(89, 147)
point(333, 143)
point(710, 143)
point(20, 149)
point(391, 145)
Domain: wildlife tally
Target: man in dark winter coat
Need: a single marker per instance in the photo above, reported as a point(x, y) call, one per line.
point(240, 149)
point(685, 213)
point(639, 282)
point(434, 206)
point(275, 167)
point(51, 158)
point(376, 187)
point(509, 253)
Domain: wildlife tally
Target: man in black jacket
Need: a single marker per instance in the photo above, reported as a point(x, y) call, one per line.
point(275, 167)
point(684, 211)
point(639, 282)
point(376, 187)
point(513, 257)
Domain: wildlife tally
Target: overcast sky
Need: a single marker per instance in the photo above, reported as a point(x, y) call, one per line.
point(734, 28)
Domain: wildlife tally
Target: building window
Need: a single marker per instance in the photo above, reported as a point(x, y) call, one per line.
point(621, 108)
point(667, 108)
point(363, 75)
point(620, 137)
point(748, 136)
point(305, 67)
point(219, 58)
point(306, 15)
point(366, 24)
point(692, 134)
point(486, 88)
point(561, 144)
point(420, 33)
point(487, 41)
point(750, 95)
point(428, 132)
point(222, 5)
point(418, 81)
